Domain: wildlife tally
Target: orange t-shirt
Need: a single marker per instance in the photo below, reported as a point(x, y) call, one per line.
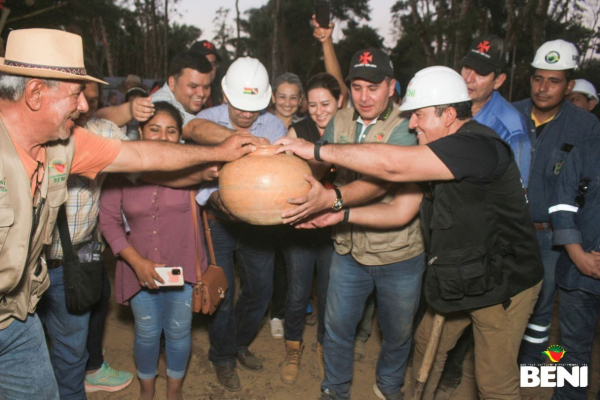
point(93, 153)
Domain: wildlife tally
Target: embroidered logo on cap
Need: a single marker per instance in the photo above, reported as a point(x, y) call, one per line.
point(365, 58)
point(483, 47)
point(209, 45)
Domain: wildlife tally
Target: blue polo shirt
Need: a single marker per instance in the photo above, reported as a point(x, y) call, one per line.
point(511, 126)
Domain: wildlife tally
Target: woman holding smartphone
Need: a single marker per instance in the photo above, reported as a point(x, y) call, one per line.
point(161, 234)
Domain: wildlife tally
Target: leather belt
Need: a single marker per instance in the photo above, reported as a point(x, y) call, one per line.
point(54, 263)
point(542, 226)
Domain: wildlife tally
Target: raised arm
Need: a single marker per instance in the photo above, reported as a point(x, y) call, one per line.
point(140, 108)
point(332, 65)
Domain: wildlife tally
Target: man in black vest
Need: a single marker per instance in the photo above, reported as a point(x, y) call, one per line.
point(485, 265)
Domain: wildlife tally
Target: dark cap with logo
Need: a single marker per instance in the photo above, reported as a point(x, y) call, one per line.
point(486, 55)
point(370, 64)
point(205, 47)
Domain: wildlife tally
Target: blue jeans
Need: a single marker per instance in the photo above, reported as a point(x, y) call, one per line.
point(168, 309)
point(303, 251)
point(578, 315)
point(535, 340)
point(26, 372)
point(67, 334)
point(398, 288)
point(232, 330)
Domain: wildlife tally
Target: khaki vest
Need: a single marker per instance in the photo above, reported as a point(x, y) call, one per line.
point(23, 278)
point(370, 246)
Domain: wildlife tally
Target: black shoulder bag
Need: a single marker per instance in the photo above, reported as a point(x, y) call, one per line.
point(82, 280)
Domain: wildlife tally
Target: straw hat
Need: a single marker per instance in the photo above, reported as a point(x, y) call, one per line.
point(45, 53)
point(132, 81)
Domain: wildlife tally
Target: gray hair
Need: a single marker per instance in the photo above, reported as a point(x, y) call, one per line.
point(12, 87)
point(290, 78)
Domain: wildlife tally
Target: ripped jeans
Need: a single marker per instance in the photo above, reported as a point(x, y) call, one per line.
point(168, 309)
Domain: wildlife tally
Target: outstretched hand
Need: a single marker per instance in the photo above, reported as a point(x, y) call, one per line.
point(317, 199)
point(236, 146)
point(299, 147)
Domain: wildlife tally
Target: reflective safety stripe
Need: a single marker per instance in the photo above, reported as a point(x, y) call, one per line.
point(538, 328)
point(563, 207)
point(535, 340)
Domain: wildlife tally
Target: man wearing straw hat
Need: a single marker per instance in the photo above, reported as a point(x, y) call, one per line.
point(41, 96)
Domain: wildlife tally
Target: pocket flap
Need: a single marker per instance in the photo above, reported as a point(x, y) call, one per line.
point(7, 216)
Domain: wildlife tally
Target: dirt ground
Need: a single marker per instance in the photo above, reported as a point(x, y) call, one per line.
point(200, 382)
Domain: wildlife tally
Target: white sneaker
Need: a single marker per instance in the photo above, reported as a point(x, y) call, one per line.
point(277, 328)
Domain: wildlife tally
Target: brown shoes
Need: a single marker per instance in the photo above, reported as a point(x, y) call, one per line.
point(289, 370)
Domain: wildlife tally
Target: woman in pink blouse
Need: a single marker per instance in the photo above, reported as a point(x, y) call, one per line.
point(161, 234)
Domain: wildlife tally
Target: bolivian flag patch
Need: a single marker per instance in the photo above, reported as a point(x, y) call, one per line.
point(250, 90)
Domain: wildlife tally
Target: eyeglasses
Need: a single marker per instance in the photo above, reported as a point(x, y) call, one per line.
point(428, 190)
point(584, 184)
point(38, 201)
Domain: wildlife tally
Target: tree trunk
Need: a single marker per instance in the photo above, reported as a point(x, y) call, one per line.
point(237, 24)
point(166, 41)
point(107, 52)
point(460, 46)
point(421, 31)
point(275, 64)
point(538, 30)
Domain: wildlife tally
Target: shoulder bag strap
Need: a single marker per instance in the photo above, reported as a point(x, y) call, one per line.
point(195, 221)
point(211, 249)
point(65, 236)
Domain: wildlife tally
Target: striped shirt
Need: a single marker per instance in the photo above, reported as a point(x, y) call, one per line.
point(83, 203)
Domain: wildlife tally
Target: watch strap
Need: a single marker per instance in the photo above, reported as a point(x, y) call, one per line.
point(346, 215)
point(338, 193)
point(318, 145)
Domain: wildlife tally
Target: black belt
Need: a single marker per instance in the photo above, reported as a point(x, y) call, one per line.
point(54, 263)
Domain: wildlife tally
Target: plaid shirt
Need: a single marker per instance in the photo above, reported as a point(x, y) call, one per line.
point(84, 194)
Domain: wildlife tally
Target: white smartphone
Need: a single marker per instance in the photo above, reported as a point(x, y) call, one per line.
point(173, 276)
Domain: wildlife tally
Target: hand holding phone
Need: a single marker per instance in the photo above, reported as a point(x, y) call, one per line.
point(173, 276)
point(322, 13)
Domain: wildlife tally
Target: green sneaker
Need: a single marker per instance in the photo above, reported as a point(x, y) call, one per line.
point(107, 379)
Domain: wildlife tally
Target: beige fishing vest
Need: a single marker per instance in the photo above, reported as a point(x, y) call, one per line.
point(370, 246)
point(23, 277)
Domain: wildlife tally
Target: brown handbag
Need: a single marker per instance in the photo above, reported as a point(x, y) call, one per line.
point(210, 290)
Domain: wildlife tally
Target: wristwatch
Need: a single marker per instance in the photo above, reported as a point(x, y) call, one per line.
point(338, 204)
point(318, 145)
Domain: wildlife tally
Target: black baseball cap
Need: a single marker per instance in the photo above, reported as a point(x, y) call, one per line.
point(370, 64)
point(205, 47)
point(486, 55)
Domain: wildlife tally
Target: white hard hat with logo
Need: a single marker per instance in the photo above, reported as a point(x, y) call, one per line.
point(434, 86)
point(585, 87)
point(556, 55)
point(246, 85)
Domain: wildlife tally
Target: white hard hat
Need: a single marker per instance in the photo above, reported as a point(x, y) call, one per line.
point(434, 86)
point(586, 88)
point(556, 55)
point(246, 85)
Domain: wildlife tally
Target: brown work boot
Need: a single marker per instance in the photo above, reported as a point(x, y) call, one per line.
point(289, 371)
point(320, 360)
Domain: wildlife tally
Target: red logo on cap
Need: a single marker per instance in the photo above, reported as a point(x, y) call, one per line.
point(483, 47)
point(209, 45)
point(365, 58)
